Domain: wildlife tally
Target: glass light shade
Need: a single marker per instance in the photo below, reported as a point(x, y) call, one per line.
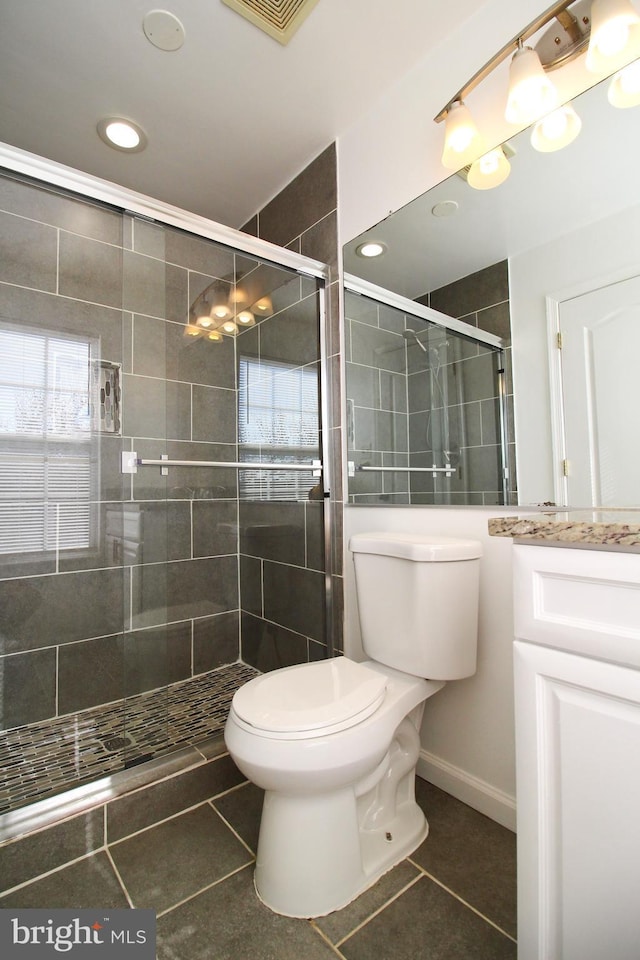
point(489, 171)
point(462, 140)
point(624, 89)
point(192, 331)
point(221, 312)
point(556, 130)
point(229, 328)
point(612, 24)
point(246, 318)
point(237, 296)
point(263, 306)
point(214, 335)
point(531, 93)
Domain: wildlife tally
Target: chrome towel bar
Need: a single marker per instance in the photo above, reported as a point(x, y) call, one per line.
point(131, 462)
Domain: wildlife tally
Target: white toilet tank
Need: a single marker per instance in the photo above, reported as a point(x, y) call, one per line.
point(418, 602)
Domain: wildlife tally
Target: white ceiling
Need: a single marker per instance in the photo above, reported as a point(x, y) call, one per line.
point(231, 117)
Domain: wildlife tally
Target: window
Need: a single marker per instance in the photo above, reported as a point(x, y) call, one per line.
point(46, 462)
point(277, 422)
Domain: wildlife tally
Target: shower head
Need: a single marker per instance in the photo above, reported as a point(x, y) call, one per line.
point(412, 335)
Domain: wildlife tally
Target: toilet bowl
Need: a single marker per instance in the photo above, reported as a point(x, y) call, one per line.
point(334, 743)
point(336, 815)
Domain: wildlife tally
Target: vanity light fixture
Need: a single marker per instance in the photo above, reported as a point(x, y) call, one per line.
point(371, 249)
point(607, 30)
point(122, 134)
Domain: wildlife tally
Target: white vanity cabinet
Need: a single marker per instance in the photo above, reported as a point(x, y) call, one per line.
point(577, 695)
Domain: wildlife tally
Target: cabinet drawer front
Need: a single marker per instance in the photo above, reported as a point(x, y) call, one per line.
point(584, 601)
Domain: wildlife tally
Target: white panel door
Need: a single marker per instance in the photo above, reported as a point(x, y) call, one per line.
point(601, 394)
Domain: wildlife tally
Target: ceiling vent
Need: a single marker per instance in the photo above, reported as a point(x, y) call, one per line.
point(279, 18)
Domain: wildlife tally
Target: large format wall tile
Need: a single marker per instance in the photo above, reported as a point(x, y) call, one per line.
point(28, 688)
point(28, 253)
point(43, 611)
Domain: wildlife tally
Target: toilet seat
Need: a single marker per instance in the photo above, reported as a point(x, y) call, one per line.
point(311, 699)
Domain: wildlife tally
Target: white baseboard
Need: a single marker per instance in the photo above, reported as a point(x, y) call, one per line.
point(476, 793)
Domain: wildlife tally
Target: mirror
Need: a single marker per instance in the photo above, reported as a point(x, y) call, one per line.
point(567, 227)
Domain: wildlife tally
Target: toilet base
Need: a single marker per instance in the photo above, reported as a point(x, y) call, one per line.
point(313, 858)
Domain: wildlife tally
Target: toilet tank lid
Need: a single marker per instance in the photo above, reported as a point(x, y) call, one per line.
point(416, 546)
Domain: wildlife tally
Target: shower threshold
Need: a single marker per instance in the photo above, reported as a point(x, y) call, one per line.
point(41, 760)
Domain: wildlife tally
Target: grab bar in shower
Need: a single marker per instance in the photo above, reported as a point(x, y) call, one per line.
point(131, 462)
point(357, 468)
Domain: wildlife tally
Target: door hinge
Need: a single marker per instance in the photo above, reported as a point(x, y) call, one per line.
point(565, 468)
point(559, 341)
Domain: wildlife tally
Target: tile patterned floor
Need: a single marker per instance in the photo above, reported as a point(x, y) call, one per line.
point(43, 759)
point(453, 899)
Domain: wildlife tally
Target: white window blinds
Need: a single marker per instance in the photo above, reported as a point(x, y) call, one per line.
point(45, 441)
point(277, 422)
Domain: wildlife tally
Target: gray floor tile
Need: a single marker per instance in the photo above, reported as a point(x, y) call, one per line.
point(228, 922)
point(164, 864)
point(427, 923)
point(89, 883)
point(470, 854)
point(337, 925)
point(242, 808)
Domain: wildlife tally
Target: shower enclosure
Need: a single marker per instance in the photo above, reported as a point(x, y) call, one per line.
point(137, 594)
point(427, 417)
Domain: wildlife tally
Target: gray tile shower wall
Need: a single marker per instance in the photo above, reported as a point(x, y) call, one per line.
point(411, 400)
point(482, 299)
point(281, 545)
point(152, 598)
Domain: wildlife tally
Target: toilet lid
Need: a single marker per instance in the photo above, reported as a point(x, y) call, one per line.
point(311, 696)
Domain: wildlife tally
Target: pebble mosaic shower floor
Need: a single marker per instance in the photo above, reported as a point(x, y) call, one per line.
point(43, 759)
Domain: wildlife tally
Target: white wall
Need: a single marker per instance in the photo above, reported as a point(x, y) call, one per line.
point(385, 160)
point(468, 728)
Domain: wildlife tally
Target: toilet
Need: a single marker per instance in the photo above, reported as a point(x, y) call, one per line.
point(335, 743)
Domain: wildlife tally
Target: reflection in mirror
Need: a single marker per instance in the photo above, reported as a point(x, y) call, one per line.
point(425, 406)
point(566, 224)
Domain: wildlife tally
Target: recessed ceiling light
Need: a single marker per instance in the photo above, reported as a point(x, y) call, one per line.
point(122, 134)
point(372, 248)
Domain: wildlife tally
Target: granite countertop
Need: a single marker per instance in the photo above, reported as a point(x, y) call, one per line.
point(617, 529)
